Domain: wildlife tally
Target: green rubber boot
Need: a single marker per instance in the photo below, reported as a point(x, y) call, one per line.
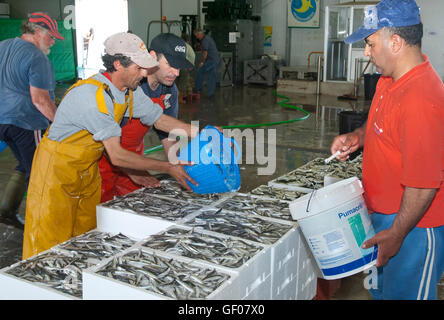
point(12, 198)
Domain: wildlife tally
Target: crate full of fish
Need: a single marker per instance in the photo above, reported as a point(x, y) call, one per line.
point(249, 260)
point(171, 189)
point(311, 175)
point(57, 272)
point(96, 245)
point(140, 214)
point(280, 235)
point(283, 194)
point(257, 205)
point(146, 274)
point(50, 275)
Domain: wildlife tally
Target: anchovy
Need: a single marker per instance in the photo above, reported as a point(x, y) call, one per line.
point(228, 252)
point(96, 244)
point(169, 277)
point(240, 225)
point(56, 270)
point(277, 193)
point(144, 203)
point(311, 175)
point(258, 206)
point(172, 189)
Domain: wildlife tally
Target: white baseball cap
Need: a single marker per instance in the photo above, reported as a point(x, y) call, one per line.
point(130, 45)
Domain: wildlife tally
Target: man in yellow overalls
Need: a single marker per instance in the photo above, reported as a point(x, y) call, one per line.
point(65, 184)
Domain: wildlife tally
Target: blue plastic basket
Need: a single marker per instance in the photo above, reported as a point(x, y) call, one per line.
point(215, 169)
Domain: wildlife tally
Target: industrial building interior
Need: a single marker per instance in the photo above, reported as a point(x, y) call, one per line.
point(269, 66)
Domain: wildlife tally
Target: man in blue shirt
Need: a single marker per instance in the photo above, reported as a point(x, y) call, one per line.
point(27, 102)
point(208, 65)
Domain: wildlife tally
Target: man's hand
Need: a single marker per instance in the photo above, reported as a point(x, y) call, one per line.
point(389, 243)
point(178, 172)
point(146, 180)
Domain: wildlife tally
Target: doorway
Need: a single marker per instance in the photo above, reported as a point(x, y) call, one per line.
point(96, 20)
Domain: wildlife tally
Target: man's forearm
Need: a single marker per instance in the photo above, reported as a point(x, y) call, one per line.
point(169, 124)
point(42, 101)
point(414, 205)
point(361, 132)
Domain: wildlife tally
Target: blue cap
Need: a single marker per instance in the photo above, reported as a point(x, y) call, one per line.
point(387, 13)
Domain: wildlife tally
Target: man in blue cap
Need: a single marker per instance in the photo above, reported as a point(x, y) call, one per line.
point(403, 161)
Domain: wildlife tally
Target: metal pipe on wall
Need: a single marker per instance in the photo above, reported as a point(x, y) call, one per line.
point(198, 14)
point(161, 16)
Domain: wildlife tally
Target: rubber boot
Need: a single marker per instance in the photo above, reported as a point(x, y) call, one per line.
point(12, 198)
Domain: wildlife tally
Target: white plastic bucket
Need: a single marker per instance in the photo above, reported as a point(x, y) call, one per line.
point(335, 223)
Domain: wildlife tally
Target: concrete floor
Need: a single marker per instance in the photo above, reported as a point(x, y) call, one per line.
point(296, 143)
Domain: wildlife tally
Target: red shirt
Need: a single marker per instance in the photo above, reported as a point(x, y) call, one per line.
point(404, 142)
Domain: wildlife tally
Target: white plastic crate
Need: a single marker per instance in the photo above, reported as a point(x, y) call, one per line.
point(253, 274)
point(99, 287)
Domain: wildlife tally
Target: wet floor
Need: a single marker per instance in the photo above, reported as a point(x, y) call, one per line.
point(293, 144)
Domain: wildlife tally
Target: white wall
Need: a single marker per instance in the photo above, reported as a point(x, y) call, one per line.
point(141, 12)
point(432, 44)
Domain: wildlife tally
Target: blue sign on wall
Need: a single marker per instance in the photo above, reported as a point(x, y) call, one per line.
point(303, 13)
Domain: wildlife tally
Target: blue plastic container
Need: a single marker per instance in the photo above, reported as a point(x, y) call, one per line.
point(215, 169)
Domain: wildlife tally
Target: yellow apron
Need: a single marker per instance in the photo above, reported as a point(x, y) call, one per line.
point(65, 184)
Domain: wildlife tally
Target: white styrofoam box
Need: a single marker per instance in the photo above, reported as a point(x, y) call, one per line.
point(261, 291)
point(129, 223)
point(286, 289)
point(289, 187)
point(15, 288)
point(284, 263)
point(252, 274)
point(308, 272)
point(98, 287)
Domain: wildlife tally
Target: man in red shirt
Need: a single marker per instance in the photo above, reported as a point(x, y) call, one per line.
point(403, 160)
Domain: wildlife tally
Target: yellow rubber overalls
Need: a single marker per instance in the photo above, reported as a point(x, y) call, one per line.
point(65, 183)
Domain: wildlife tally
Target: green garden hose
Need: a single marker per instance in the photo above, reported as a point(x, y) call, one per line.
point(282, 103)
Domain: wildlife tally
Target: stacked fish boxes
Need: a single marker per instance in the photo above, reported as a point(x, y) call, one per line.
point(281, 268)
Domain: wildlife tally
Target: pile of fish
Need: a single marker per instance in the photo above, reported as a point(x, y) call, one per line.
point(277, 193)
point(231, 253)
point(144, 203)
point(171, 188)
point(53, 269)
point(164, 276)
point(238, 225)
point(257, 206)
point(96, 244)
point(311, 175)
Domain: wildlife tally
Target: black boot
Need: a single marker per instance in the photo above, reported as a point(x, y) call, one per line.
point(11, 199)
